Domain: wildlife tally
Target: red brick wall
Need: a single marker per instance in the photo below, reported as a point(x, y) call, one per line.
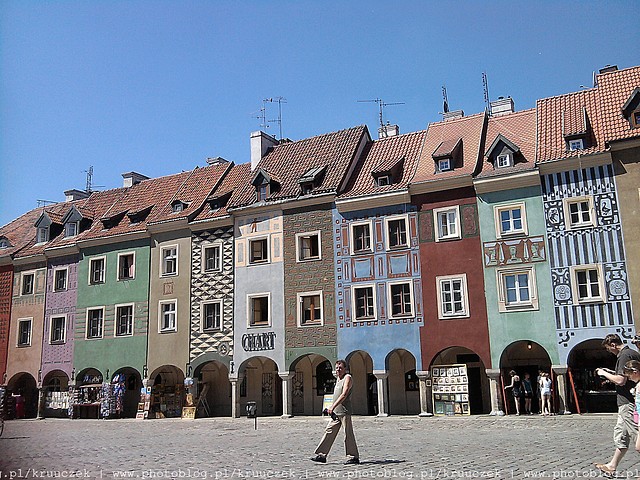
point(6, 284)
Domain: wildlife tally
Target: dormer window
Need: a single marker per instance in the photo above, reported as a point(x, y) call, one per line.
point(503, 152)
point(444, 165)
point(503, 160)
point(631, 109)
point(383, 180)
point(262, 191)
point(4, 243)
point(71, 229)
point(576, 128)
point(577, 144)
point(388, 171)
point(42, 235)
point(178, 206)
point(448, 155)
point(311, 179)
point(265, 184)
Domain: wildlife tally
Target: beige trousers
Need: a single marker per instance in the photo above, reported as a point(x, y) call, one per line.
point(330, 433)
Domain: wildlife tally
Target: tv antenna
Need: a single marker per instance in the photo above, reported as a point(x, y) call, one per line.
point(485, 86)
point(445, 100)
point(89, 185)
point(262, 115)
point(381, 104)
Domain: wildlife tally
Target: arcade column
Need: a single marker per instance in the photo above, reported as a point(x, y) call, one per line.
point(494, 389)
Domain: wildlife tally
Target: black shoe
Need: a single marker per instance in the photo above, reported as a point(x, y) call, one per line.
point(319, 459)
point(352, 461)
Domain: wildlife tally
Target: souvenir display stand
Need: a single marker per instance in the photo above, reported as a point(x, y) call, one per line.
point(87, 401)
point(450, 390)
point(166, 401)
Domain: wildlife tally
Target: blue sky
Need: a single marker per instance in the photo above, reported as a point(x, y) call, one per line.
point(158, 86)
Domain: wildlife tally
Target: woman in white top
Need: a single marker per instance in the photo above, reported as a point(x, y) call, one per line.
point(545, 391)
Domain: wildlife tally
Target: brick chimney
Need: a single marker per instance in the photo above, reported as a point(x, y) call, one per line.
point(75, 194)
point(388, 130)
point(502, 106)
point(260, 143)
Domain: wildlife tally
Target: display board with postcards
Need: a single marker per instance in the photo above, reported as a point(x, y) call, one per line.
point(450, 390)
point(57, 400)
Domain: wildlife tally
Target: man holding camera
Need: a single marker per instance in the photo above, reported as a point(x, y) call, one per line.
point(625, 428)
point(340, 412)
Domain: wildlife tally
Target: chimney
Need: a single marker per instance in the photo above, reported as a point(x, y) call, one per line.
point(260, 143)
point(75, 194)
point(216, 160)
point(388, 130)
point(608, 68)
point(502, 106)
point(452, 114)
point(133, 178)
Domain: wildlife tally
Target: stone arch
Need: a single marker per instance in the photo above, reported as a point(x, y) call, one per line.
point(212, 381)
point(260, 383)
point(402, 381)
point(23, 389)
point(167, 392)
point(311, 381)
point(364, 399)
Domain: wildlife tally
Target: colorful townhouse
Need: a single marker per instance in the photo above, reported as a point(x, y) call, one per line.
point(379, 300)
point(452, 268)
point(590, 285)
point(516, 267)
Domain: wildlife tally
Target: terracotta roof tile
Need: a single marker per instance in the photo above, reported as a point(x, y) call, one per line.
point(615, 88)
point(231, 186)
point(21, 232)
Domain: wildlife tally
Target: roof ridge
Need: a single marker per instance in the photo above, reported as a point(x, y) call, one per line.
point(579, 92)
point(456, 120)
point(320, 135)
point(417, 132)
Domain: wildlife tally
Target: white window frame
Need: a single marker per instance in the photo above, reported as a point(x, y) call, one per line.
point(30, 339)
point(68, 227)
point(55, 279)
point(387, 229)
point(250, 298)
point(444, 164)
point(171, 328)
point(567, 212)
point(4, 243)
point(503, 302)
point(163, 272)
point(299, 248)
point(352, 229)
point(23, 277)
point(42, 235)
point(64, 330)
point(261, 238)
point(390, 286)
point(436, 220)
point(203, 305)
point(465, 296)
point(86, 332)
point(116, 319)
point(576, 144)
point(203, 256)
point(354, 303)
point(497, 212)
point(104, 269)
point(383, 180)
point(126, 254)
point(601, 298)
point(504, 160)
point(300, 306)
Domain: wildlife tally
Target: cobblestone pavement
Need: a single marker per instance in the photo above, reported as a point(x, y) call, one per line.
point(392, 447)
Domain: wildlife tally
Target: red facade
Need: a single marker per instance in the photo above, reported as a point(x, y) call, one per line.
point(6, 285)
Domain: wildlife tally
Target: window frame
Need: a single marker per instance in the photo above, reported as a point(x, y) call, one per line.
point(55, 279)
point(300, 296)
point(67, 229)
point(383, 180)
point(87, 326)
point(465, 296)
point(42, 235)
point(445, 161)
point(64, 330)
point(163, 259)
point(203, 256)
point(92, 260)
point(567, 202)
point(203, 328)
point(412, 302)
point(172, 328)
point(436, 219)
point(250, 310)
point(504, 156)
point(576, 142)
point(133, 266)
point(601, 298)
point(267, 253)
point(503, 303)
point(29, 340)
point(23, 276)
point(299, 247)
point(387, 228)
point(497, 211)
point(354, 303)
point(116, 319)
point(352, 242)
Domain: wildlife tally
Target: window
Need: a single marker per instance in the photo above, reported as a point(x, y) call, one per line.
point(177, 207)
point(258, 310)
point(587, 284)
point(126, 266)
point(444, 164)
point(310, 308)
point(364, 303)
point(24, 332)
point(96, 270)
point(60, 280)
point(168, 315)
point(396, 232)
point(258, 251)
point(71, 229)
point(95, 320)
point(361, 235)
point(169, 259)
point(447, 223)
point(261, 192)
point(308, 245)
point(211, 258)
point(4, 243)
point(503, 160)
point(211, 315)
point(517, 289)
point(57, 332)
point(452, 296)
point(42, 235)
point(124, 320)
point(510, 220)
point(577, 144)
point(383, 180)
point(28, 280)
point(401, 296)
point(579, 212)
point(635, 119)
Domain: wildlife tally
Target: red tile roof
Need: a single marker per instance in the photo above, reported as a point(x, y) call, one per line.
point(382, 155)
point(615, 88)
point(237, 177)
point(21, 232)
point(470, 129)
point(288, 162)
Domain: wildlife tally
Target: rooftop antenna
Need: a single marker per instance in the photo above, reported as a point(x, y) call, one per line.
point(485, 86)
point(89, 173)
point(44, 203)
point(263, 113)
point(445, 100)
point(382, 104)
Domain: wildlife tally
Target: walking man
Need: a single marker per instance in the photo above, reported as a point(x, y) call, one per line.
point(340, 412)
point(625, 428)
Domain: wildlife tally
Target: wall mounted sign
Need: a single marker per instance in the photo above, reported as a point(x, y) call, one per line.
point(252, 342)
